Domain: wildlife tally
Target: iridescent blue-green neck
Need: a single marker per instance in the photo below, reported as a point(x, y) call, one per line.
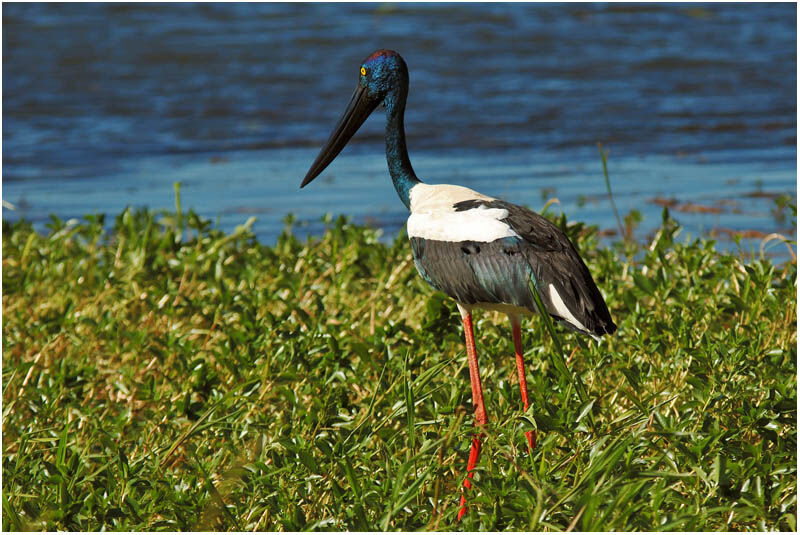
point(400, 168)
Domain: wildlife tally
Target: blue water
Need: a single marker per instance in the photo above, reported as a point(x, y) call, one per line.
point(106, 105)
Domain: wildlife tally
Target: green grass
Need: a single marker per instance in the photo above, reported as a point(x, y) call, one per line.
point(167, 376)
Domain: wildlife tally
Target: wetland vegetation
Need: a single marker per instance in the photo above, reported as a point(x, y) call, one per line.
point(161, 374)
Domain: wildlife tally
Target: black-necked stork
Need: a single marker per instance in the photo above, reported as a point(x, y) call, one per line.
point(481, 251)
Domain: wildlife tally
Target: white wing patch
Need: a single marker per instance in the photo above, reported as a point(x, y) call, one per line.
point(563, 311)
point(480, 224)
point(440, 197)
point(433, 217)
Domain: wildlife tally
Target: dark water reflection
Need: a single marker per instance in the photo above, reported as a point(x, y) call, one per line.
point(107, 105)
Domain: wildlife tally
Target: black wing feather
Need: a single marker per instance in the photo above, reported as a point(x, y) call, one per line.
point(549, 257)
point(474, 272)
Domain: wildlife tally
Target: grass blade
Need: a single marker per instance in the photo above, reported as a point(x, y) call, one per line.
point(558, 358)
point(604, 159)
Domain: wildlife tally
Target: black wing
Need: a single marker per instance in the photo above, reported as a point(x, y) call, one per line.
point(551, 259)
point(476, 272)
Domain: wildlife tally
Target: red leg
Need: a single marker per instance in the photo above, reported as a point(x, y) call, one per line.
point(523, 382)
point(477, 400)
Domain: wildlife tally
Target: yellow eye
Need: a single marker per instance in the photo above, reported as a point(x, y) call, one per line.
point(363, 71)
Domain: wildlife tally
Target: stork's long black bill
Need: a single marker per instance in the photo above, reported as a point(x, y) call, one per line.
point(361, 105)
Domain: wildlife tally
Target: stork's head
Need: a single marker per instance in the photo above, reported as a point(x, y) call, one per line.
point(383, 72)
point(382, 79)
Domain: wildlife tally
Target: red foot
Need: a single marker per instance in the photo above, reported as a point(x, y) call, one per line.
point(531, 436)
point(474, 453)
point(523, 382)
point(477, 400)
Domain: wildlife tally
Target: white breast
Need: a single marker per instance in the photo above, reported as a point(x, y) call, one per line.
point(433, 217)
